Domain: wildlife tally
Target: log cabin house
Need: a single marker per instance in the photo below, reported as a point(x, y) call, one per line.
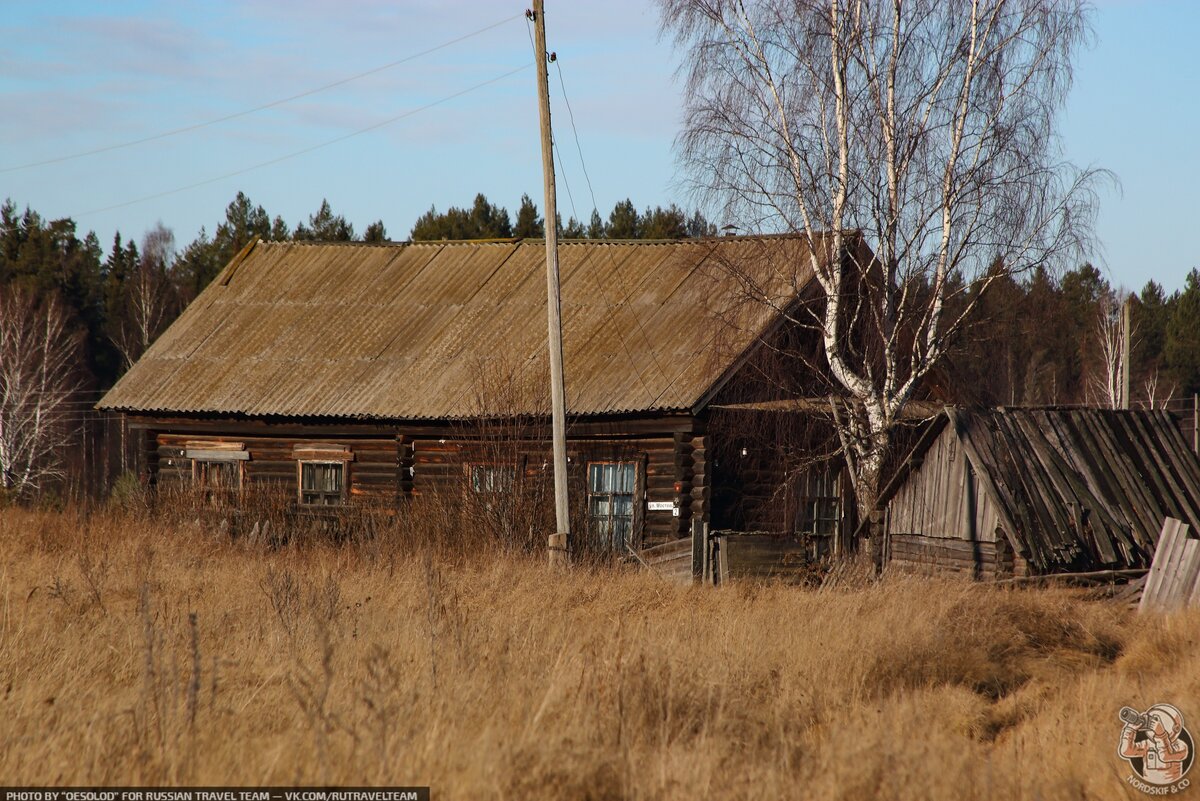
point(1016, 492)
point(362, 374)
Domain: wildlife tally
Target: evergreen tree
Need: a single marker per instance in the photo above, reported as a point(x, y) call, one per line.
point(698, 226)
point(988, 364)
point(1051, 368)
point(49, 260)
point(1182, 345)
point(1081, 291)
point(660, 223)
point(572, 230)
point(325, 226)
point(203, 258)
point(529, 224)
point(595, 229)
point(118, 267)
point(244, 222)
point(1150, 315)
point(375, 232)
point(196, 266)
point(623, 222)
point(1149, 319)
point(279, 230)
point(482, 221)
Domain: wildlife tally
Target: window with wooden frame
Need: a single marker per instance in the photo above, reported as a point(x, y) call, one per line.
point(322, 473)
point(612, 496)
point(489, 478)
point(322, 483)
point(820, 512)
point(217, 468)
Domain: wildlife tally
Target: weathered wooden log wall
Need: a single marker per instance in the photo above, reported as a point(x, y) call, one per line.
point(388, 466)
point(373, 475)
point(954, 557)
point(440, 465)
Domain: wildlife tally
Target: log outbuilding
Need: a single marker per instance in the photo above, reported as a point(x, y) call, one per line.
point(1015, 492)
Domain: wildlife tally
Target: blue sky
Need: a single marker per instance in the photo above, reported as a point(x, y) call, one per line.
point(76, 76)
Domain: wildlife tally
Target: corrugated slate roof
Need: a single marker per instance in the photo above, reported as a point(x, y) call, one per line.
point(403, 331)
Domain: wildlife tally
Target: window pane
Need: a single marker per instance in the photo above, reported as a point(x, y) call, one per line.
point(600, 506)
point(214, 474)
point(331, 478)
point(603, 529)
point(622, 531)
point(623, 506)
point(321, 483)
point(626, 472)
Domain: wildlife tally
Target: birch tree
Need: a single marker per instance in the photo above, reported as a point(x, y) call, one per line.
point(1105, 382)
point(922, 128)
point(38, 376)
point(148, 300)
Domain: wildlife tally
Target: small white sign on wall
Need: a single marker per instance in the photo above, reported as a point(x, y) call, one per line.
point(660, 506)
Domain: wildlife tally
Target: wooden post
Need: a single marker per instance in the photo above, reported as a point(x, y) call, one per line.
point(1196, 423)
point(559, 542)
point(698, 548)
point(1126, 336)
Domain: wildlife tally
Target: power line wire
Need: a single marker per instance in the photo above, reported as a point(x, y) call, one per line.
point(599, 287)
point(575, 132)
point(263, 107)
point(306, 150)
point(625, 304)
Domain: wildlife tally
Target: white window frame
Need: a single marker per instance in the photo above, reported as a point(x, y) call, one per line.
point(609, 522)
point(493, 469)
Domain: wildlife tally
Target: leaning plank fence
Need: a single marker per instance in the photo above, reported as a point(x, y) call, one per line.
point(717, 557)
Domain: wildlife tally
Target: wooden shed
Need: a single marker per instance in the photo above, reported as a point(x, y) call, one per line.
point(374, 373)
point(1013, 492)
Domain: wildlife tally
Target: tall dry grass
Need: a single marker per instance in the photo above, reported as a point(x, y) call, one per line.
point(139, 649)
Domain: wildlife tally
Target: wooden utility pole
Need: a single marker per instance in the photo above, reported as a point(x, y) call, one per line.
point(557, 544)
point(1126, 337)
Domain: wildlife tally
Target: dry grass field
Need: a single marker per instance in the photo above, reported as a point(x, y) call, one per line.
point(142, 650)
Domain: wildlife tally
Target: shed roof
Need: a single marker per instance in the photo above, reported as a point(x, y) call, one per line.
point(399, 331)
point(1078, 487)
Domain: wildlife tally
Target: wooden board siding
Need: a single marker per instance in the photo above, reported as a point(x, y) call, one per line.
point(764, 557)
point(942, 519)
point(373, 474)
point(938, 497)
point(671, 560)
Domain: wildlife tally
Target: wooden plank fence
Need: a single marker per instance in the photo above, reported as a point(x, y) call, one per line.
point(1174, 578)
point(720, 556)
point(671, 560)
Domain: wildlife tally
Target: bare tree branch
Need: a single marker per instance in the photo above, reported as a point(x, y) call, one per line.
point(921, 129)
point(38, 375)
